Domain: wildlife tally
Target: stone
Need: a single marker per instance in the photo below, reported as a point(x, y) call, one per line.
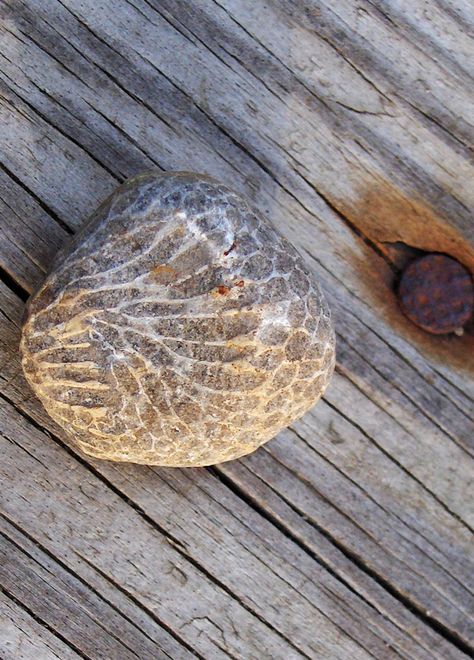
point(179, 328)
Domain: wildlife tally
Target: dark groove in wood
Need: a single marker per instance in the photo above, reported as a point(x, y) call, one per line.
point(28, 36)
point(146, 609)
point(258, 507)
point(373, 245)
point(394, 460)
point(34, 616)
point(444, 134)
point(346, 374)
point(128, 137)
point(460, 391)
point(432, 121)
point(425, 413)
point(22, 551)
point(68, 570)
point(105, 71)
point(116, 81)
point(434, 624)
point(419, 41)
point(9, 280)
point(37, 199)
point(376, 503)
point(65, 135)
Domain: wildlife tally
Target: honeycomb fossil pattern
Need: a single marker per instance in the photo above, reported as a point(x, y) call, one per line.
point(179, 328)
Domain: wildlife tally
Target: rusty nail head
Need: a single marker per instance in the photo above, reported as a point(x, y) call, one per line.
point(437, 293)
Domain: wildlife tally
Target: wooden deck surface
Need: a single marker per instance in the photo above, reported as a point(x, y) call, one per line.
point(349, 123)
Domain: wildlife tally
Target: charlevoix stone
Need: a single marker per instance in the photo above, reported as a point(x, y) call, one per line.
point(178, 328)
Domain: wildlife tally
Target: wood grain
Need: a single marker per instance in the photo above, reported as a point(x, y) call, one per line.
point(350, 126)
point(24, 637)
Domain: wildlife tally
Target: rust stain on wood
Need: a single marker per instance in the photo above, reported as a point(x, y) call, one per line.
point(386, 216)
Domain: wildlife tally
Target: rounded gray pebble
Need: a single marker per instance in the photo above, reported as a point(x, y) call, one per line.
point(178, 328)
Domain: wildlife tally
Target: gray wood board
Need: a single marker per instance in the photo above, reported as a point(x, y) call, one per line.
point(350, 126)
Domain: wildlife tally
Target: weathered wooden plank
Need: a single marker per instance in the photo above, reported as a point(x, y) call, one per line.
point(23, 638)
point(30, 237)
point(352, 152)
point(43, 162)
point(288, 109)
point(71, 608)
point(330, 118)
point(462, 11)
point(92, 523)
point(298, 494)
point(12, 310)
point(463, 434)
point(432, 28)
point(373, 42)
point(395, 377)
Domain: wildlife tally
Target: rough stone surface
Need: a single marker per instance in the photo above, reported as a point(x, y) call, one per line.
point(178, 329)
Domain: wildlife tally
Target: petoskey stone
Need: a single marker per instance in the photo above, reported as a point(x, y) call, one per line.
point(178, 328)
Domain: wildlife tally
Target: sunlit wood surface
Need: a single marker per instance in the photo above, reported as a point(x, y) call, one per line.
point(349, 124)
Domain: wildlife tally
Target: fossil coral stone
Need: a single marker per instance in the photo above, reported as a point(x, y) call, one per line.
point(179, 328)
